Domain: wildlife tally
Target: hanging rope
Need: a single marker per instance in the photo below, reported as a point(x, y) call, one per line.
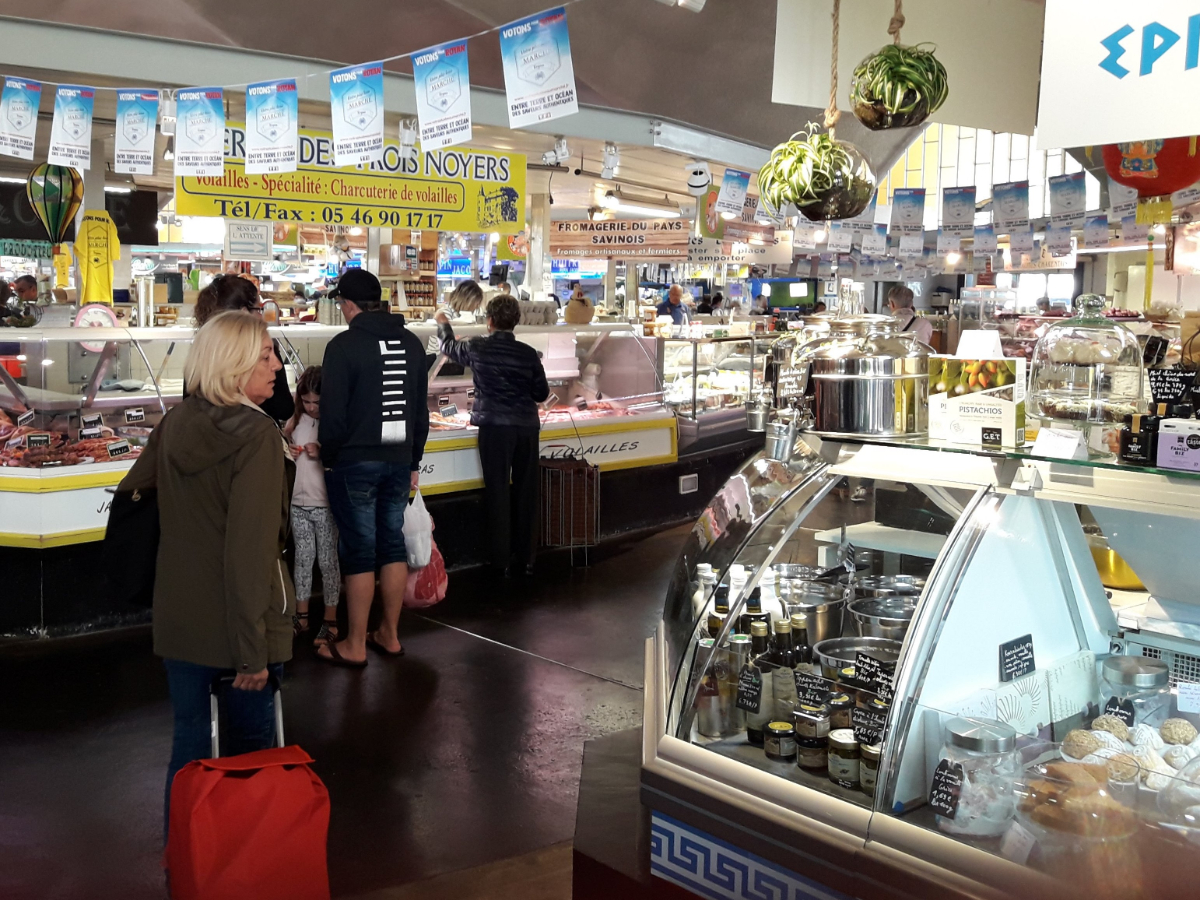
point(897, 22)
point(831, 112)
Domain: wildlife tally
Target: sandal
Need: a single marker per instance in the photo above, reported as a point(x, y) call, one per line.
point(379, 648)
point(299, 624)
point(327, 634)
point(336, 659)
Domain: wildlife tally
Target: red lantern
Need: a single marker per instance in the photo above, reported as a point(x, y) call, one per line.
point(1154, 168)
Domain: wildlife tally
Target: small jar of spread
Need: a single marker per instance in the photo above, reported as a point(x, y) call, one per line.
point(779, 741)
point(812, 753)
point(811, 721)
point(840, 706)
point(843, 758)
point(868, 768)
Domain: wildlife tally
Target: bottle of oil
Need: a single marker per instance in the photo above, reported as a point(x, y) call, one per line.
point(784, 680)
point(760, 657)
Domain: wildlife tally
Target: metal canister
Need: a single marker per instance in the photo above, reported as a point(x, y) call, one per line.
point(708, 697)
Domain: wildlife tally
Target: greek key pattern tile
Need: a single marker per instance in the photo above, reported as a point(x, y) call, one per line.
point(712, 868)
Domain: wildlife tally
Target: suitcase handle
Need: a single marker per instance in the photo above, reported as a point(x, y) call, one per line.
point(214, 692)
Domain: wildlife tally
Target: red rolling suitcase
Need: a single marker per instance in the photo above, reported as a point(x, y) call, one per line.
point(249, 826)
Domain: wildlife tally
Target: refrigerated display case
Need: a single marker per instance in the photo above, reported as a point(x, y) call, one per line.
point(953, 597)
point(707, 381)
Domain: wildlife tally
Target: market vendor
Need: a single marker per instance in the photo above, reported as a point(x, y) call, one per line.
point(673, 305)
point(900, 301)
point(509, 384)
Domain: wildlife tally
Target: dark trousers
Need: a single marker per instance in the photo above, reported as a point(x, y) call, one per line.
point(509, 452)
point(251, 718)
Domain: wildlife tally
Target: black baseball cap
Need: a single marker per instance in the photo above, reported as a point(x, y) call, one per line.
point(358, 286)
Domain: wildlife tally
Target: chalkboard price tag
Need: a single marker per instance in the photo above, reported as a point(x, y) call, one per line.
point(946, 788)
point(37, 440)
point(1016, 658)
point(95, 420)
point(1169, 385)
point(870, 673)
point(118, 448)
point(1122, 709)
point(136, 414)
point(449, 411)
point(25, 418)
point(810, 688)
point(88, 434)
point(869, 725)
point(749, 689)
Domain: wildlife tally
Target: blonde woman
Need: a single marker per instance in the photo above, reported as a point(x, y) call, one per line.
point(222, 596)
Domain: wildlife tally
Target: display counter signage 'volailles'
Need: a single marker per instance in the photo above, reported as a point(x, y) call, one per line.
point(451, 189)
point(616, 239)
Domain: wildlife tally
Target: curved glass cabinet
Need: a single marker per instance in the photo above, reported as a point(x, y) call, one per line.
point(993, 772)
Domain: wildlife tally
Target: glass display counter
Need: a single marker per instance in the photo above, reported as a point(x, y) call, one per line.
point(892, 671)
point(77, 405)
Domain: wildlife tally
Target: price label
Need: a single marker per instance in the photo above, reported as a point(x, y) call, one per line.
point(136, 414)
point(810, 688)
point(1189, 697)
point(25, 418)
point(470, 393)
point(1017, 844)
point(991, 438)
point(1016, 658)
point(749, 689)
point(869, 725)
point(870, 672)
point(946, 788)
point(1122, 709)
point(95, 420)
point(118, 448)
point(37, 440)
point(443, 400)
point(1169, 385)
point(449, 410)
point(88, 434)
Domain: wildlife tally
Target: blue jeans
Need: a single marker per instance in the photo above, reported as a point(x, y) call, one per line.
point(249, 722)
point(368, 500)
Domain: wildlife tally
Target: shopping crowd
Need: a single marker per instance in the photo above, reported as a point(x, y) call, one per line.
point(243, 464)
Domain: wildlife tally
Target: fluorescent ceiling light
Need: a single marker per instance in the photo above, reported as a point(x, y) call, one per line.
point(617, 202)
point(117, 190)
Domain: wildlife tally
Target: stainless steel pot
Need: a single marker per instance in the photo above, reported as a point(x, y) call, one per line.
point(867, 379)
point(838, 654)
point(823, 604)
point(887, 585)
point(781, 438)
point(883, 617)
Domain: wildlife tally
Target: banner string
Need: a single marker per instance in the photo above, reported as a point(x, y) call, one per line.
point(563, 4)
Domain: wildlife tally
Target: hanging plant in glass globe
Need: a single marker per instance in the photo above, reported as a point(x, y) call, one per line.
point(898, 87)
point(823, 177)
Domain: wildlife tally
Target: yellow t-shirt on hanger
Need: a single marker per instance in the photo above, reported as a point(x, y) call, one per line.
point(96, 247)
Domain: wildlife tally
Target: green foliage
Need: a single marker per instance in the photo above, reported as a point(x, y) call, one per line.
point(902, 80)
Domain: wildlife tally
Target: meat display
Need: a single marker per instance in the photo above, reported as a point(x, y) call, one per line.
point(54, 449)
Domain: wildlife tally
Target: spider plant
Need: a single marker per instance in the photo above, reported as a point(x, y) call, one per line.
point(898, 87)
point(823, 177)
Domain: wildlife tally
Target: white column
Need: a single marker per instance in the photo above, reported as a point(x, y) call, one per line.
point(373, 245)
point(537, 265)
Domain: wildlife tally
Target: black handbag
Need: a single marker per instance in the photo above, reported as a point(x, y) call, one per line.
point(131, 546)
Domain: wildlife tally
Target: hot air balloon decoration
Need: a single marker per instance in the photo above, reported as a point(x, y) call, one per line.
point(55, 193)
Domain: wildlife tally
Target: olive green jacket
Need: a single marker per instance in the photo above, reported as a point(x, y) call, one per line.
point(222, 593)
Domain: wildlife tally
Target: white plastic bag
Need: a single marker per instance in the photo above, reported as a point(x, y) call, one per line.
point(418, 532)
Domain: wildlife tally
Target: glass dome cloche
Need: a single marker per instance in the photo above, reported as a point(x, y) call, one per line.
point(1087, 370)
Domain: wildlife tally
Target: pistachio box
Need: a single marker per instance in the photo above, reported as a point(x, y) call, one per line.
point(977, 402)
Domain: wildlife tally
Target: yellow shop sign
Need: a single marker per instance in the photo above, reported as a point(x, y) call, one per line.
point(452, 189)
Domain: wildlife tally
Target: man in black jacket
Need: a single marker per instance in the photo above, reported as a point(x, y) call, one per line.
point(374, 422)
point(509, 384)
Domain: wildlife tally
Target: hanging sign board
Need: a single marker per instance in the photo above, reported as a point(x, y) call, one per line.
point(443, 83)
point(539, 79)
point(248, 240)
point(732, 196)
point(615, 239)
point(133, 140)
point(71, 131)
point(272, 123)
point(1119, 73)
point(356, 108)
point(456, 189)
point(709, 252)
point(200, 132)
point(18, 116)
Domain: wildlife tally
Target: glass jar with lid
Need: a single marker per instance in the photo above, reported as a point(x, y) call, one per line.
point(982, 753)
point(1087, 371)
point(1136, 689)
point(868, 767)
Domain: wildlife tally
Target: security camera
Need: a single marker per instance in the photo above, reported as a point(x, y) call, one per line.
point(698, 178)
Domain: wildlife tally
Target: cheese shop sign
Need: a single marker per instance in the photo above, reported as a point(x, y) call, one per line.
point(452, 189)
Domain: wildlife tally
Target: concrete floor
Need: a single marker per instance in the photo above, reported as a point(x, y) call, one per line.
point(463, 757)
